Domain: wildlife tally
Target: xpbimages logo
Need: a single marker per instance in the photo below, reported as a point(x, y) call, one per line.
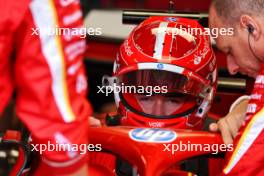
point(147, 90)
point(63, 147)
point(112, 85)
point(193, 147)
point(187, 30)
point(68, 33)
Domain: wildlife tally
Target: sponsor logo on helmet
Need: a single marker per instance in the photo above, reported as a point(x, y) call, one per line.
point(259, 83)
point(252, 108)
point(212, 64)
point(201, 54)
point(197, 60)
point(152, 135)
point(260, 79)
point(128, 50)
point(256, 96)
point(156, 124)
point(171, 19)
point(160, 66)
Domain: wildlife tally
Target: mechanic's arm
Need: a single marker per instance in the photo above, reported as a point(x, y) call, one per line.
point(51, 81)
point(230, 124)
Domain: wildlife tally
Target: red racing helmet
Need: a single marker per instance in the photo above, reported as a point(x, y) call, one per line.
point(166, 74)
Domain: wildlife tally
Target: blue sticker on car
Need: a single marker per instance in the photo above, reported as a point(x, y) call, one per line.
point(160, 66)
point(172, 19)
point(152, 135)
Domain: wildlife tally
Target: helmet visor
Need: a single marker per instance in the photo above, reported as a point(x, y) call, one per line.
point(160, 93)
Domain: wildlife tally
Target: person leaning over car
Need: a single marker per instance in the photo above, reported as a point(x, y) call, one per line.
point(45, 70)
point(245, 54)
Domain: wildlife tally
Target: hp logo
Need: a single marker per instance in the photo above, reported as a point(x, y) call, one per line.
point(152, 135)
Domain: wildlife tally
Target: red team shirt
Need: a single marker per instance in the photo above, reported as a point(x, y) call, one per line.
point(247, 159)
point(47, 73)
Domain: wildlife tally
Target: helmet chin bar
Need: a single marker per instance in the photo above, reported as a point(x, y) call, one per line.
point(206, 104)
point(202, 109)
point(135, 118)
point(194, 115)
point(183, 114)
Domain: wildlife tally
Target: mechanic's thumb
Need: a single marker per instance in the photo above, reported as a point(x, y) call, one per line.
point(213, 127)
point(94, 122)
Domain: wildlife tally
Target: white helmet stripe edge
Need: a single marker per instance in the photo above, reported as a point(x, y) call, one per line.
point(161, 66)
point(160, 37)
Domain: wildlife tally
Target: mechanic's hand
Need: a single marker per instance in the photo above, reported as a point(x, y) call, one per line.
point(94, 122)
point(229, 125)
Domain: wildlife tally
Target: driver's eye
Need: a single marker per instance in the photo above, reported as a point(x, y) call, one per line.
point(144, 98)
point(175, 100)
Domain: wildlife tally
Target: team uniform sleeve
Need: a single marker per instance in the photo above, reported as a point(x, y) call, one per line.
point(51, 83)
point(247, 157)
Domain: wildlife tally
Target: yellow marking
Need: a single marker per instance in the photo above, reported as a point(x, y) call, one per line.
point(241, 140)
point(71, 116)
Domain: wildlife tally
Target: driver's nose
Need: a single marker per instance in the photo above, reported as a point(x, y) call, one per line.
point(159, 108)
point(232, 67)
